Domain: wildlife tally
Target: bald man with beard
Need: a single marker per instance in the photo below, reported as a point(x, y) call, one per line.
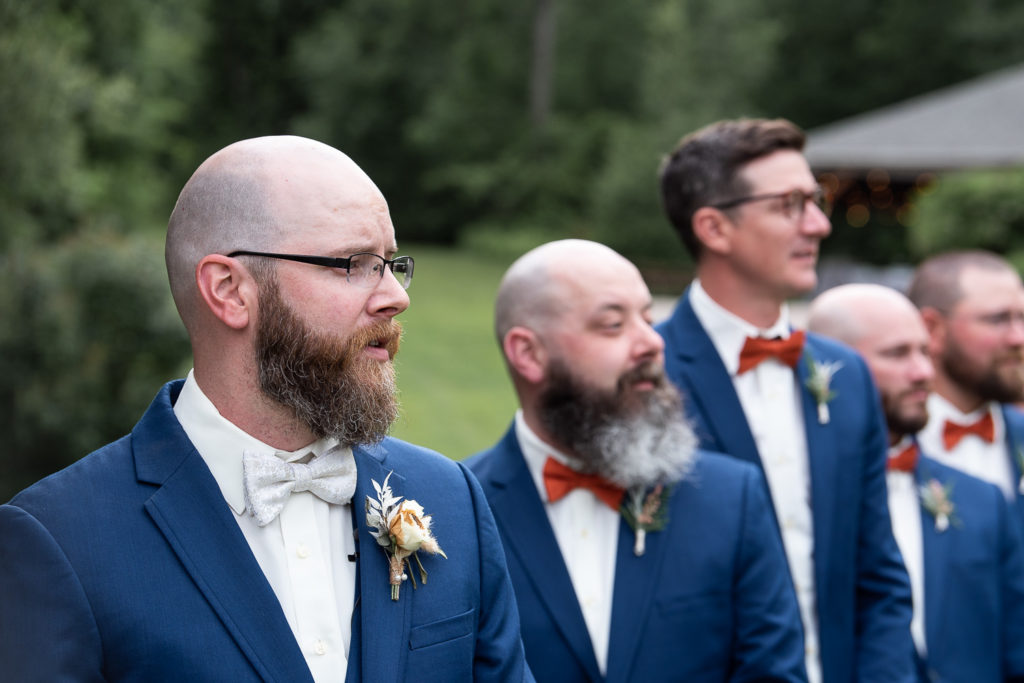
point(634, 555)
point(257, 524)
point(972, 303)
point(957, 534)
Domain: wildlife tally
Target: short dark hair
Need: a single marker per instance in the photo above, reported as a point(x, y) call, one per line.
point(936, 282)
point(704, 168)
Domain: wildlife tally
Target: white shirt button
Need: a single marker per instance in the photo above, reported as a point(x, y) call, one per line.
point(302, 551)
point(320, 647)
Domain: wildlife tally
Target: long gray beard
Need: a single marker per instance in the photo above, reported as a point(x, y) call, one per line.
point(632, 439)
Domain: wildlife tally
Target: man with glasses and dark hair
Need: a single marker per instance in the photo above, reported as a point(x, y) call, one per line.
point(258, 524)
point(972, 303)
point(803, 409)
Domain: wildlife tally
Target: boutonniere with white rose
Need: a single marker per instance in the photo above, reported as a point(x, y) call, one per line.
point(819, 380)
point(402, 530)
point(938, 501)
point(645, 513)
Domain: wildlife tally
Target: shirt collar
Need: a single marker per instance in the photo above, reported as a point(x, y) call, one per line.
point(727, 331)
point(536, 453)
point(940, 409)
point(898, 447)
point(221, 443)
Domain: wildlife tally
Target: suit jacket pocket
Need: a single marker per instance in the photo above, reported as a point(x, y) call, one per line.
point(443, 630)
point(685, 605)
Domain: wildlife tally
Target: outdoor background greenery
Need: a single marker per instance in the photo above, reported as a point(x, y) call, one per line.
point(489, 125)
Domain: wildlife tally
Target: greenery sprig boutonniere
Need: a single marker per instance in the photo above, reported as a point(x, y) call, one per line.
point(819, 379)
point(937, 500)
point(645, 513)
point(402, 529)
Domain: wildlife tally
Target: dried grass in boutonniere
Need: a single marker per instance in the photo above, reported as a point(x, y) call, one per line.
point(937, 500)
point(402, 529)
point(819, 377)
point(645, 513)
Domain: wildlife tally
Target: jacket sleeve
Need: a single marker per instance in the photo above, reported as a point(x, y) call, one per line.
point(47, 630)
point(769, 635)
point(499, 654)
point(1011, 566)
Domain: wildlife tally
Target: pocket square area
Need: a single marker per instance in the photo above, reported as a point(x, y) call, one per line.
point(442, 630)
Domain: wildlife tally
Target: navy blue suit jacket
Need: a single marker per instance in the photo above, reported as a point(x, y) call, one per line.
point(973, 584)
point(1014, 421)
point(129, 566)
point(863, 593)
point(709, 601)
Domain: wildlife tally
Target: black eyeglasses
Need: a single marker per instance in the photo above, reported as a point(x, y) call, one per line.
point(363, 269)
point(794, 202)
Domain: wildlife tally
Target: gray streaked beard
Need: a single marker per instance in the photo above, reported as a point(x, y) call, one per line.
point(331, 387)
point(633, 439)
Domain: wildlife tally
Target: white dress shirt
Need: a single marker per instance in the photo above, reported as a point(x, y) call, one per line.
point(770, 396)
point(988, 461)
point(905, 512)
point(303, 552)
point(587, 532)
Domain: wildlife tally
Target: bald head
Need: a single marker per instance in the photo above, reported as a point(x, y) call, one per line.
point(544, 282)
point(887, 330)
point(251, 195)
point(851, 312)
point(939, 282)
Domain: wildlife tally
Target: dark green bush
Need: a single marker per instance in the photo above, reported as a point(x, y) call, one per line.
point(90, 333)
point(971, 209)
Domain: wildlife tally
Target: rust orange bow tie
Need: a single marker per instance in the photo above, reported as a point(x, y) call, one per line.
point(559, 480)
point(757, 349)
point(984, 428)
point(904, 461)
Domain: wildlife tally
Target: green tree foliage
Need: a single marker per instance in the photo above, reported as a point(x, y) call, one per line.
point(43, 88)
point(840, 58)
point(500, 124)
point(977, 209)
point(89, 336)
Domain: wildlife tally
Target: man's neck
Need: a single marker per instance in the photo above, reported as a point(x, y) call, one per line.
point(964, 400)
point(758, 308)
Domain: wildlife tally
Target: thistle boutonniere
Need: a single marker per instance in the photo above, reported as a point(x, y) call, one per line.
point(645, 513)
point(401, 529)
point(937, 500)
point(819, 377)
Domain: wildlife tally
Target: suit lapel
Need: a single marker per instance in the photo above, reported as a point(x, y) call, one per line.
point(719, 412)
point(190, 511)
point(937, 549)
point(532, 542)
point(822, 468)
point(633, 597)
point(383, 624)
point(1014, 424)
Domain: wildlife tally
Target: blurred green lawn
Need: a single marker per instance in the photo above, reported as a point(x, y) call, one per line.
point(455, 393)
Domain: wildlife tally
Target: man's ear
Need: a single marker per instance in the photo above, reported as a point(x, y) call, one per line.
point(525, 354)
point(711, 227)
point(935, 323)
point(227, 288)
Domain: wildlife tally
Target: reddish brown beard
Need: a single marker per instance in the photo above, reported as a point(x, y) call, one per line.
point(991, 383)
point(332, 387)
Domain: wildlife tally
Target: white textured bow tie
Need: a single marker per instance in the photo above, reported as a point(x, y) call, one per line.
point(269, 481)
